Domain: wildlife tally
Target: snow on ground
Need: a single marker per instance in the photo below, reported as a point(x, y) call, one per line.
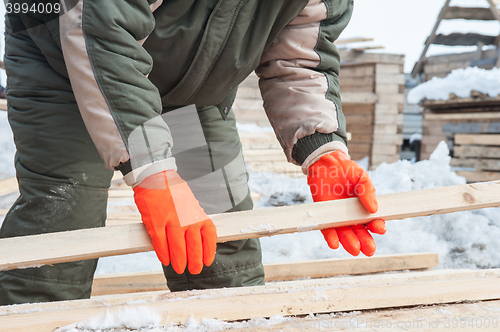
point(459, 82)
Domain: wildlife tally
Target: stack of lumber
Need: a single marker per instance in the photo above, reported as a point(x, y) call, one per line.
point(288, 297)
point(471, 127)
point(263, 153)
point(372, 91)
point(372, 101)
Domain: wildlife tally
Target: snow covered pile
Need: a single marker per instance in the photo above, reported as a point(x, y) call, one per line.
point(459, 82)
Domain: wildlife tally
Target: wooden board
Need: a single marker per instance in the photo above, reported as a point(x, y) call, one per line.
point(478, 164)
point(479, 176)
point(286, 298)
point(36, 250)
point(461, 116)
point(463, 39)
point(473, 151)
point(477, 139)
point(479, 316)
point(124, 283)
point(3, 104)
point(472, 128)
point(8, 186)
point(472, 13)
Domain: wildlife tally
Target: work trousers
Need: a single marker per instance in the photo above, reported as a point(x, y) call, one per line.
point(64, 186)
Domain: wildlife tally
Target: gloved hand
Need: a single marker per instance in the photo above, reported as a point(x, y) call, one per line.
point(180, 230)
point(334, 176)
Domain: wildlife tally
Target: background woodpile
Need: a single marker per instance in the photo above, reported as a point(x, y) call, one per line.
point(372, 90)
point(471, 127)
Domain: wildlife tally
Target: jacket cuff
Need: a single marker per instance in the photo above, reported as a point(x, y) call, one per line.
point(309, 144)
point(136, 176)
point(321, 151)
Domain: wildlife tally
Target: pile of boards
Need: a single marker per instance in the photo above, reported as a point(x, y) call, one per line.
point(352, 293)
point(372, 92)
point(471, 127)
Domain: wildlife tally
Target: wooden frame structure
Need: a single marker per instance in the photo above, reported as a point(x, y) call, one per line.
point(469, 39)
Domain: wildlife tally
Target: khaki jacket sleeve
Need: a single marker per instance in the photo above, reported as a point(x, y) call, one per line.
point(108, 68)
point(299, 82)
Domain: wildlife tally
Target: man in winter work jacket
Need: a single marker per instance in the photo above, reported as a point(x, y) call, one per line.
point(146, 88)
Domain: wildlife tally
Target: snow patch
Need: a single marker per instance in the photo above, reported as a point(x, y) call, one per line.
point(459, 82)
point(253, 128)
point(126, 317)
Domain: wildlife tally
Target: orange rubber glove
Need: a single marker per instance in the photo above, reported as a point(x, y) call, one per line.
point(335, 176)
point(180, 230)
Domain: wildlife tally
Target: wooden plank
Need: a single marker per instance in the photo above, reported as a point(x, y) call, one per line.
point(351, 40)
point(107, 284)
point(282, 298)
point(384, 119)
point(388, 108)
point(356, 71)
point(461, 116)
point(475, 127)
point(477, 139)
point(391, 89)
point(8, 186)
point(382, 129)
point(478, 164)
point(389, 78)
point(385, 149)
point(264, 155)
point(353, 81)
point(463, 39)
point(358, 98)
point(436, 318)
point(445, 67)
point(280, 167)
point(391, 98)
point(479, 176)
point(3, 104)
point(383, 68)
point(471, 13)
point(472, 151)
point(349, 57)
point(36, 250)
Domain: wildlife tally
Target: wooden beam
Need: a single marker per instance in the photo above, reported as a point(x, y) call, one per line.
point(478, 164)
point(358, 97)
point(471, 151)
point(352, 40)
point(3, 104)
point(436, 318)
point(418, 66)
point(472, 13)
point(42, 249)
point(472, 128)
point(353, 57)
point(124, 283)
point(477, 139)
point(461, 116)
point(463, 39)
point(479, 176)
point(286, 298)
point(8, 186)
